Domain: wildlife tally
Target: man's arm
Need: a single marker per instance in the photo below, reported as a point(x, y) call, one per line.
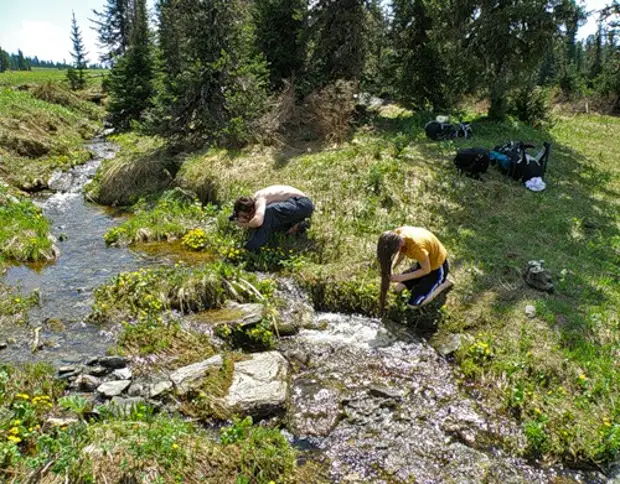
point(259, 214)
point(425, 269)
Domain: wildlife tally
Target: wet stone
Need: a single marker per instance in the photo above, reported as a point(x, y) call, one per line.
point(385, 392)
point(3, 345)
point(113, 362)
point(317, 409)
point(259, 386)
point(92, 361)
point(66, 369)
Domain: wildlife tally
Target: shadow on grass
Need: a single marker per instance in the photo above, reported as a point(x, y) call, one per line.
point(499, 225)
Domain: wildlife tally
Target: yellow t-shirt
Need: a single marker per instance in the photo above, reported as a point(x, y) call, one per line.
point(419, 242)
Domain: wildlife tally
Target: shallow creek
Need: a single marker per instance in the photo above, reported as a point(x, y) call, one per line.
point(375, 401)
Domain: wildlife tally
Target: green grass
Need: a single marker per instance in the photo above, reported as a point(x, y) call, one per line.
point(141, 446)
point(38, 137)
point(556, 373)
point(23, 229)
point(40, 75)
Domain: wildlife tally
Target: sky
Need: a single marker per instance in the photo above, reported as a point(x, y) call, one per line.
point(42, 27)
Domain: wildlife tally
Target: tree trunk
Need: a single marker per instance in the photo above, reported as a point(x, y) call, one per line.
point(499, 101)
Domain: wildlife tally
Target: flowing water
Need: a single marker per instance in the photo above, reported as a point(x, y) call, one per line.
point(66, 286)
point(374, 401)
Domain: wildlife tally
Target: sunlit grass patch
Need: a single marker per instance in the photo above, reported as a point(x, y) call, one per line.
point(23, 229)
point(150, 292)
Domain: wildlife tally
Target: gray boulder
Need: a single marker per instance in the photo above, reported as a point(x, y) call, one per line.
point(184, 378)
point(113, 388)
point(259, 386)
point(122, 374)
point(87, 383)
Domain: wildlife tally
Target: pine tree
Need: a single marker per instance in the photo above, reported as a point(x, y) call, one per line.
point(420, 73)
point(113, 25)
point(596, 68)
point(5, 61)
point(22, 65)
point(75, 75)
point(280, 26)
point(507, 51)
point(131, 79)
point(218, 86)
point(169, 38)
point(339, 51)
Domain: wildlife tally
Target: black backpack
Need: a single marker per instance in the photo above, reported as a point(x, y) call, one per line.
point(472, 161)
point(522, 166)
point(438, 131)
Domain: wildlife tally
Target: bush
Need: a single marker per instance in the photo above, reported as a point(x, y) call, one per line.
point(531, 105)
point(330, 110)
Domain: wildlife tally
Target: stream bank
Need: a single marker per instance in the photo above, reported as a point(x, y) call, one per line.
point(374, 402)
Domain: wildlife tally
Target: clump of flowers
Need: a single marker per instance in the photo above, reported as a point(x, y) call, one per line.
point(196, 239)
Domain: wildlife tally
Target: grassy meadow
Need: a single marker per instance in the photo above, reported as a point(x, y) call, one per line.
point(42, 75)
point(557, 373)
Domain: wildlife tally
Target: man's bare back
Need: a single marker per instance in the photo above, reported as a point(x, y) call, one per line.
point(277, 193)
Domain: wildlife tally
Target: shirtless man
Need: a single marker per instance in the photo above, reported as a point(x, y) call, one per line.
point(277, 208)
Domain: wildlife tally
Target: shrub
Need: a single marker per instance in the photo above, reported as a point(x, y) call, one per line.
point(531, 105)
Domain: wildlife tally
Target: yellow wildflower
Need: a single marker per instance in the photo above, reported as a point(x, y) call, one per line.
point(175, 446)
point(15, 440)
point(17, 422)
point(14, 431)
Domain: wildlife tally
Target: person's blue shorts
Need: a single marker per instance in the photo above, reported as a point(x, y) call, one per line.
point(423, 287)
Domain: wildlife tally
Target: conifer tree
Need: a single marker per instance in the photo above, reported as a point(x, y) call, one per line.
point(113, 25)
point(339, 51)
point(76, 75)
point(5, 61)
point(219, 83)
point(131, 79)
point(420, 75)
point(280, 36)
point(22, 65)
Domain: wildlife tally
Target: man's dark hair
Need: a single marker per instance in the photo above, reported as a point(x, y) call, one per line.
point(244, 205)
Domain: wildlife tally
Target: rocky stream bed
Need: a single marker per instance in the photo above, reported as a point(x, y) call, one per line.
point(374, 402)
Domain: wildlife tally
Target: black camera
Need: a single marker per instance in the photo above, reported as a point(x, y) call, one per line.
point(233, 217)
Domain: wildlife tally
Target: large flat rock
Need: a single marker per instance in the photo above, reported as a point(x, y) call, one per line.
point(185, 377)
point(259, 386)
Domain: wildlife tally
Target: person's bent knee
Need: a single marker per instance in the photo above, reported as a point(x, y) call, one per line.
point(399, 287)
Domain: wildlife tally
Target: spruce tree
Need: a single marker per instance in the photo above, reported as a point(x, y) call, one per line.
point(76, 75)
point(5, 61)
point(22, 65)
point(420, 75)
point(506, 50)
point(280, 26)
point(131, 79)
point(218, 85)
point(113, 25)
point(339, 51)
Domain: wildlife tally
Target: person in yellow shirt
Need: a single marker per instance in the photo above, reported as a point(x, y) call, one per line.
point(429, 275)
